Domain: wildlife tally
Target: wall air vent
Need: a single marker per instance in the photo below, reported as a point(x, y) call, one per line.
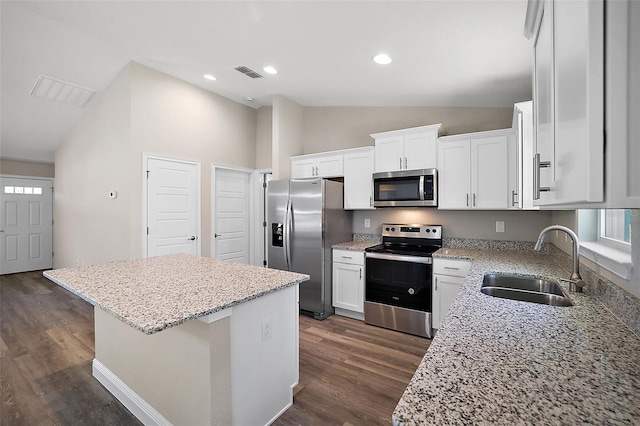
point(62, 91)
point(248, 72)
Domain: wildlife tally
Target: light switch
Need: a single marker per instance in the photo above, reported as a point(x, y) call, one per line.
point(499, 225)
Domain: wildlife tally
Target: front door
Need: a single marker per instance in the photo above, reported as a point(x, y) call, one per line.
point(231, 215)
point(26, 224)
point(173, 193)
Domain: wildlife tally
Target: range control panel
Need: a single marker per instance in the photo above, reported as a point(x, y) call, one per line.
point(412, 231)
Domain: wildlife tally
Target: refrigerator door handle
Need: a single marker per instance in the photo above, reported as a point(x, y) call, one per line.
point(288, 218)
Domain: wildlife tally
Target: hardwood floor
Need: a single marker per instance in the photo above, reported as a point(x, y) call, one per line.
point(350, 373)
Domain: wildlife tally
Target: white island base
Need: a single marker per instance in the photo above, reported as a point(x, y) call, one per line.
point(237, 366)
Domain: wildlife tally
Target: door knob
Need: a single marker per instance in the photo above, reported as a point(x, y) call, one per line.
point(217, 235)
point(193, 238)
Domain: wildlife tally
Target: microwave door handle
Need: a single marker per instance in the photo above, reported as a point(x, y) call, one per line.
point(421, 188)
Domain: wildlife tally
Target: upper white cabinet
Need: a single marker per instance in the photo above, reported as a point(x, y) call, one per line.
point(475, 171)
point(568, 99)
point(406, 149)
point(317, 165)
point(522, 187)
point(358, 182)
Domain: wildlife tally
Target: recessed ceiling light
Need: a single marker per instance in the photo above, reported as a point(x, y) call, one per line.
point(382, 59)
point(270, 70)
point(209, 77)
point(249, 99)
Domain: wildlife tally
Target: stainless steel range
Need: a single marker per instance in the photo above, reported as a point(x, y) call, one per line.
point(398, 278)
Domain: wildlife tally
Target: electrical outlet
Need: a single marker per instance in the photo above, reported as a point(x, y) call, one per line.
point(499, 225)
point(367, 223)
point(267, 329)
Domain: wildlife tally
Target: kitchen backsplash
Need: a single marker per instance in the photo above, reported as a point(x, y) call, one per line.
point(624, 305)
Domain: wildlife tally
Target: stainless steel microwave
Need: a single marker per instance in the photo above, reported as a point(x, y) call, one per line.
point(407, 188)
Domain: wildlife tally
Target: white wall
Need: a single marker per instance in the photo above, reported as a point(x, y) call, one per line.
point(93, 160)
point(143, 111)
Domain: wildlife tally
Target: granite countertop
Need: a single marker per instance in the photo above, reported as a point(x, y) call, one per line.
point(155, 293)
point(355, 245)
point(499, 361)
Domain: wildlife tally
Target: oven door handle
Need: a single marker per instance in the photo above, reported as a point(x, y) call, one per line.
point(400, 258)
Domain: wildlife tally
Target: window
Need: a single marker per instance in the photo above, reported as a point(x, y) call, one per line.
point(24, 190)
point(615, 228)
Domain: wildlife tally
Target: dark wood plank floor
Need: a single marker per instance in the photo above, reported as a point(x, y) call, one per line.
point(350, 373)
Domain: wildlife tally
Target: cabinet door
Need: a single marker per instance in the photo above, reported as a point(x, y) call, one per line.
point(490, 173)
point(358, 181)
point(578, 33)
point(330, 166)
point(389, 154)
point(348, 287)
point(302, 168)
point(445, 289)
point(420, 151)
point(454, 175)
point(543, 95)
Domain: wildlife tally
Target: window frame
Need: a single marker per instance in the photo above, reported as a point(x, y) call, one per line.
point(611, 242)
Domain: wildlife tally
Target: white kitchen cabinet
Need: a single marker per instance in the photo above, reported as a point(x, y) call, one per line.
point(358, 182)
point(317, 165)
point(348, 283)
point(448, 277)
point(406, 149)
point(475, 171)
point(568, 97)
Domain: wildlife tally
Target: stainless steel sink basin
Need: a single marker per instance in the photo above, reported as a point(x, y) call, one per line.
point(525, 289)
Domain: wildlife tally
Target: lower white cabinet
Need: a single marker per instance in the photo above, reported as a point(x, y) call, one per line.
point(348, 283)
point(448, 277)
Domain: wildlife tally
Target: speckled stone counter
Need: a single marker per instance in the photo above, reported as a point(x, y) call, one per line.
point(355, 245)
point(499, 361)
point(155, 293)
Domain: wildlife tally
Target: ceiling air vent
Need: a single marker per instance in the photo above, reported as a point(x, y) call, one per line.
point(61, 91)
point(248, 72)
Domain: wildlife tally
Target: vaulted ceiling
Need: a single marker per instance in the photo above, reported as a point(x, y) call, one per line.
point(445, 53)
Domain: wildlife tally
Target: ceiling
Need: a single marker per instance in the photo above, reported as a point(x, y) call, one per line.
point(445, 53)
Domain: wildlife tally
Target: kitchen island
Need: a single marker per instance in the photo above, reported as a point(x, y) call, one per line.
point(506, 362)
point(181, 339)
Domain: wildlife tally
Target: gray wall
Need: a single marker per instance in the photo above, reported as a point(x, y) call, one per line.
point(478, 224)
point(26, 168)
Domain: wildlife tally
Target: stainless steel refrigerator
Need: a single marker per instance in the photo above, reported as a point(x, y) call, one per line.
point(305, 218)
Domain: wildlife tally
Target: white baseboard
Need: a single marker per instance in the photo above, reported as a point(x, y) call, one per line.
point(134, 403)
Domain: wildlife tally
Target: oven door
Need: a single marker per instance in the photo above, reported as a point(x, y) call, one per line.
point(397, 280)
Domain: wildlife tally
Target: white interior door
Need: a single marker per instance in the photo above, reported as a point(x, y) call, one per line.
point(173, 193)
point(231, 215)
point(26, 224)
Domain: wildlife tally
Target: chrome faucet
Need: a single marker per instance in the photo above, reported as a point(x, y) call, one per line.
point(575, 278)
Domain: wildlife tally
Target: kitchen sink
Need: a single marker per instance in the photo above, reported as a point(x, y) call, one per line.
point(525, 289)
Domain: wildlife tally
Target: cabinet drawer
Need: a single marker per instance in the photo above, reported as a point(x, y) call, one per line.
point(454, 268)
point(348, 256)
